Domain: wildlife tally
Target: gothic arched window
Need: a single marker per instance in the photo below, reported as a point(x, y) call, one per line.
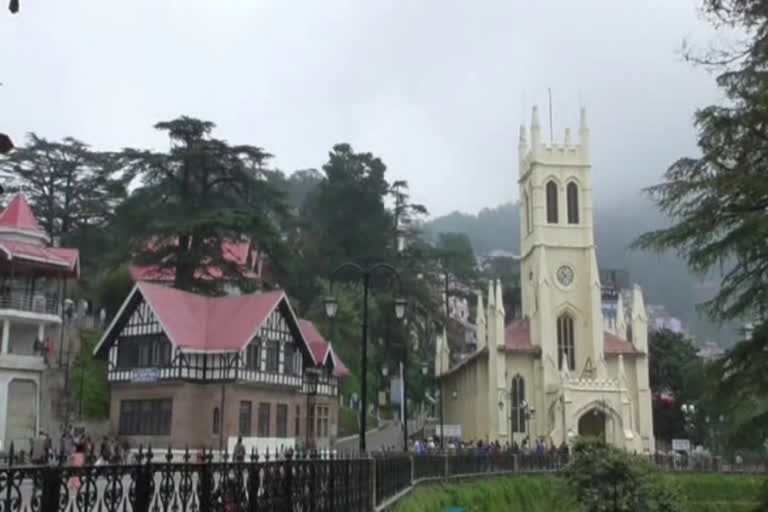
point(518, 399)
point(572, 196)
point(565, 342)
point(216, 420)
point(551, 202)
point(526, 212)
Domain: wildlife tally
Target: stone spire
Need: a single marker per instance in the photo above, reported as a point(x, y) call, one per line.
point(584, 139)
point(480, 322)
point(490, 315)
point(535, 127)
point(500, 330)
point(639, 320)
point(499, 298)
point(621, 323)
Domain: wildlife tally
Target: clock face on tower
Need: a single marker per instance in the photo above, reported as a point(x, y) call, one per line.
point(565, 275)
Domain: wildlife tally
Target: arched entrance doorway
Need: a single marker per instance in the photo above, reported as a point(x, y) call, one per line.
point(592, 424)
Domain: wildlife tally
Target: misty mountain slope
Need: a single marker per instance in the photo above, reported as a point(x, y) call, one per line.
point(665, 278)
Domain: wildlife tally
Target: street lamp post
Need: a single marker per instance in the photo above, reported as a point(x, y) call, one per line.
point(689, 416)
point(331, 306)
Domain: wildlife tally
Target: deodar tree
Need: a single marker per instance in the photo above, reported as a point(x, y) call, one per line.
point(718, 203)
point(193, 199)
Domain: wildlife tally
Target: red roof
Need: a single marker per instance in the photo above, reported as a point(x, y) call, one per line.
point(18, 215)
point(200, 323)
point(615, 345)
point(235, 252)
point(518, 339)
point(321, 348)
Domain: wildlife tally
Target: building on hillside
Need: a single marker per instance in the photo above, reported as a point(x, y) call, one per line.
point(556, 373)
point(32, 278)
point(188, 370)
point(251, 262)
point(710, 351)
point(500, 262)
point(659, 319)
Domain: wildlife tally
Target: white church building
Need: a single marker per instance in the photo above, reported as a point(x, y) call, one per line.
point(565, 369)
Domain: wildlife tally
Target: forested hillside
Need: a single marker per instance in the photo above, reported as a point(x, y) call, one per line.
point(665, 278)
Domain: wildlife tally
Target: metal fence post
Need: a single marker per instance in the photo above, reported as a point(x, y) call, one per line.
point(51, 488)
point(372, 486)
point(288, 483)
point(143, 483)
point(445, 465)
point(205, 483)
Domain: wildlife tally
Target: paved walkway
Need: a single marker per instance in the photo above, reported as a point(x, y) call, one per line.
point(386, 437)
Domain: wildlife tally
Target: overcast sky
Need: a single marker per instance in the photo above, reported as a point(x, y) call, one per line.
point(436, 88)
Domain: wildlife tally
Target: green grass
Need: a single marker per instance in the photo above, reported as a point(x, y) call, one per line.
point(700, 493)
point(717, 493)
point(522, 493)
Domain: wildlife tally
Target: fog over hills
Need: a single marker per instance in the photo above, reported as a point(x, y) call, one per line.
point(665, 278)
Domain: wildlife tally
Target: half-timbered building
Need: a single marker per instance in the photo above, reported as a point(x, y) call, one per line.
point(189, 370)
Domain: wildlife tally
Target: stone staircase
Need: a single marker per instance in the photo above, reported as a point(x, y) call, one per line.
point(58, 405)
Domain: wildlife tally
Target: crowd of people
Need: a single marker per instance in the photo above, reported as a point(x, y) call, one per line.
point(453, 446)
point(74, 447)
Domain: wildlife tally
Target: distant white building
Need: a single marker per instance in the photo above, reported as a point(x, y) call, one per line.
point(710, 351)
point(659, 319)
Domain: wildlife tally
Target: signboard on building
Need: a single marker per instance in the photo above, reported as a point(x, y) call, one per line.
point(681, 445)
point(145, 375)
point(449, 431)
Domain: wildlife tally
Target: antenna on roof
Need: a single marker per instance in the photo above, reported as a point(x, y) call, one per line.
point(551, 134)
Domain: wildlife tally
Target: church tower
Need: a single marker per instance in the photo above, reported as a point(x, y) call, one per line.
point(559, 275)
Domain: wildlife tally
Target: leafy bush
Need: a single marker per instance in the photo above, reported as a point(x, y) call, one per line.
point(604, 479)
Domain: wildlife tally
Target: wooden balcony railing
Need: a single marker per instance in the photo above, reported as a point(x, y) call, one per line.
point(303, 384)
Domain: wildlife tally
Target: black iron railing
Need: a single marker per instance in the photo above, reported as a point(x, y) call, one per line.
point(290, 481)
point(393, 475)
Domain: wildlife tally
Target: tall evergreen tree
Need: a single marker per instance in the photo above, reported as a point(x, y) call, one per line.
point(718, 203)
point(349, 220)
point(68, 185)
point(195, 198)
point(73, 190)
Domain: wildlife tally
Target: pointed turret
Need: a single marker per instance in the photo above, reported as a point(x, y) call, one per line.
point(480, 322)
point(19, 219)
point(535, 127)
point(584, 140)
point(621, 323)
point(490, 315)
point(522, 150)
point(500, 330)
point(567, 140)
point(499, 298)
point(639, 320)
point(622, 372)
